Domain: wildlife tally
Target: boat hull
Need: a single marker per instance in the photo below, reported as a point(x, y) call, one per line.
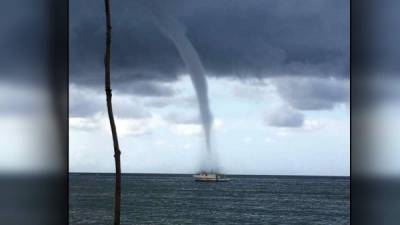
point(209, 178)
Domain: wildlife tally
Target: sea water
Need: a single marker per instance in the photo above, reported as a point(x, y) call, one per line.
point(177, 199)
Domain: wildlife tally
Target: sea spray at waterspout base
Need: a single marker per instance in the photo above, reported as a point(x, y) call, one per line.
point(175, 31)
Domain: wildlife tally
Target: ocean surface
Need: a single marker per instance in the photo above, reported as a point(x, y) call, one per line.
point(177, 199)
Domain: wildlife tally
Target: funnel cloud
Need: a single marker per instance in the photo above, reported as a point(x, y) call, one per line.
point(176, 32)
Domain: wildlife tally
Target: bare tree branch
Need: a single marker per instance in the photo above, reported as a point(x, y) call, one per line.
point(117, 152)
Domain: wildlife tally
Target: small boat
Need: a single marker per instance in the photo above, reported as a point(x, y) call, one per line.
point(209, 177)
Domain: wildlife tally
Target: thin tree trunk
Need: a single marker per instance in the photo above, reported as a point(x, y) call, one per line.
point(117, 152)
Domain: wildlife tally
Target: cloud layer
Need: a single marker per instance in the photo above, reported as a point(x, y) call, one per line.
point(313, 93)
point(234, 39)
point(285, 116)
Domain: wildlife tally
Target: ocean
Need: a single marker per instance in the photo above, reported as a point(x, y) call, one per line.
point(177, 199)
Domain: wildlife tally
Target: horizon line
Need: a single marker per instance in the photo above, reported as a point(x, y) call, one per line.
point(229, 174)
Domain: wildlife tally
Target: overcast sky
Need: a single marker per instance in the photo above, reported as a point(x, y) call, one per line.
point(278, 77)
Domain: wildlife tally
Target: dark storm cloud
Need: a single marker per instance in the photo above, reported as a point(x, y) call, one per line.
point(86, 102)
point(233, 38)
point(313, 93)
point(285, 117)
point(145, 88)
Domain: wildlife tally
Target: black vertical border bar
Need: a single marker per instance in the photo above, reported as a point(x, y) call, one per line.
point(362, 99)
point(59, 82)
point(351, 7)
